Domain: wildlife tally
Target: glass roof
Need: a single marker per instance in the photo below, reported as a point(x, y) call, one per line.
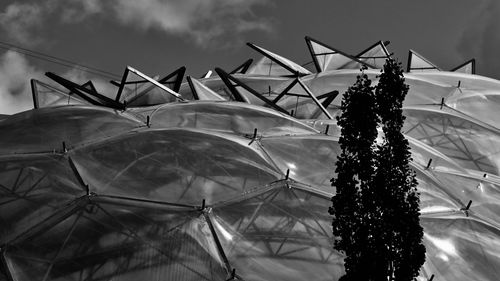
point(105, 241)
point(46, 129)
point(282, 234)
point(234, 117)
point(186, 183)
point(175, 166)
point(32, 187)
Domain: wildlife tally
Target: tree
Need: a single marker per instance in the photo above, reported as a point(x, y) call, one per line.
point(355, 168)
point(395, 182)
point(376, 206)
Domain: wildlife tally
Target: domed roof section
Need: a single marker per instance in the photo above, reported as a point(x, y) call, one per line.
point(32, 187)
point(230, 117)
point(174, 165)
point(281, 234)
point(45, 129)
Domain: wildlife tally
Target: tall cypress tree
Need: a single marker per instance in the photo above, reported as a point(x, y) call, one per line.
point(395, 182)
point(376, 205)
point(355, 169)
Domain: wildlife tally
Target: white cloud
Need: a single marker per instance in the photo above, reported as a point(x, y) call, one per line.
point(203, 21)
point(15, 89)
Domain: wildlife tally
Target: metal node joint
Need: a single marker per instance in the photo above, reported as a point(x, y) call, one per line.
point(465, 209)
point(233, 275)
point(254, 137)
point(428, 164)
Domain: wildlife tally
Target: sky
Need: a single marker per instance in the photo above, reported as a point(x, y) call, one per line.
point(159, 36)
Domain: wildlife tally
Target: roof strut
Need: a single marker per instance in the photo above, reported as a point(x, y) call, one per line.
point(87, 94)
point(177, 82)
point(227, 78)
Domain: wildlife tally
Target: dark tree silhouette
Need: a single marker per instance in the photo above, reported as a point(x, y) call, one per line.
point(355, 169)
point(395, 181)
point(376, 206)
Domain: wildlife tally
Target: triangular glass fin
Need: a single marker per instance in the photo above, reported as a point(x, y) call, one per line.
point(275, 65)
point(468, 67)
point(376, 54)
point(45, 95)
point(417, 62)
point(328, 58)
point(243, 68)
point(138, 89)
point(202, 92)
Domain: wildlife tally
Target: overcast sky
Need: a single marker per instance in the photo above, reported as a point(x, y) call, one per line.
point(158, 36)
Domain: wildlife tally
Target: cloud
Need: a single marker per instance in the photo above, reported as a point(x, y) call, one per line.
point(15, 89)
point(482, 39)
point(203, 21)
point(20, 21)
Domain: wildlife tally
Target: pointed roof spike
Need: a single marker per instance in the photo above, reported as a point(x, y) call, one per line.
point(376, 54)
point(229, 80)
point(327, 58)
point(47, 95)
point(315, 99)
point(468, 67)
point(202, 92)
point(417, 62)
point(90, 96)
point(225, 77)
point(243, 68)
point(291, 68)
point(207, 74)
point(174, 79)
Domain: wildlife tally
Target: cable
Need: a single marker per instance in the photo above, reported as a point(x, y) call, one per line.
point(56, 60)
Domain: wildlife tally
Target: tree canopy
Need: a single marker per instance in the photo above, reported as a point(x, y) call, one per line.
point(376, 205)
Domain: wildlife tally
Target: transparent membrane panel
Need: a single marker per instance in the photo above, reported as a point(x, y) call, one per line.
point(460, 248)
point(46, 95)
point(472, 82)
point(469, 144)
point(203, 92)
point(301, 107)
point(339, 80)
point(483, 105)
point(434, 196)
point(119, 241)
point(31, 188)
point(274, 64)
point(266, 66)
point(310, 159)
point(421, 91)
point(482, 191)
point(177, 166)
point(376, 55)
point(230, 117)
point(282, 234)
point(260, 83)
point(330, 59)
point(137, 91)
point(426, 157)
point(418, 63)
point(46, 129)
point(325, 126)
